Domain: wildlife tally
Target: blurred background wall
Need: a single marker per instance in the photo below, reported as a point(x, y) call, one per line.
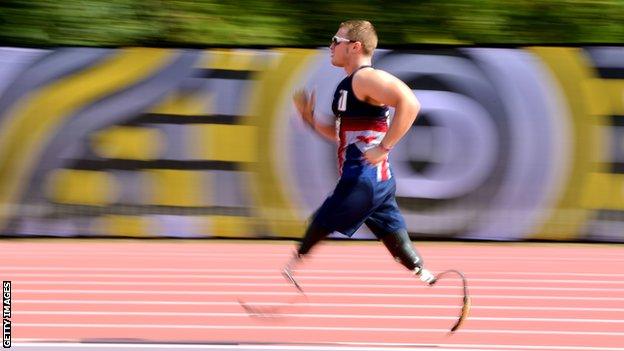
point(511, 143)
point(173, 118)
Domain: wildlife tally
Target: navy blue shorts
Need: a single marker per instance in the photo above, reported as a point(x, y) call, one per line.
point(357, 201)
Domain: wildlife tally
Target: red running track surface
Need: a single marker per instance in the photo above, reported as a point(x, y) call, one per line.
point(524, 296)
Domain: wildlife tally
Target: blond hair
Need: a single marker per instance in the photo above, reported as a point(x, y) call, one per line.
point(362, 31)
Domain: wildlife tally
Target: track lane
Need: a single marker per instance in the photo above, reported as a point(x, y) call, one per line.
point(561, 296)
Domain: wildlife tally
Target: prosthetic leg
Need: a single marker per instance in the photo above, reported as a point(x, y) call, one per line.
point(400, 246)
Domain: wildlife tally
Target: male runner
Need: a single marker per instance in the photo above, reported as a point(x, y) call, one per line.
point(365, 193)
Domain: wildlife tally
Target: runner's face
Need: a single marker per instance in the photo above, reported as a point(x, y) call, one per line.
point(339, 48)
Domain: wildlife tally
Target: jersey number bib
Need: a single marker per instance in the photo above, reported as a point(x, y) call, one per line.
point(342, 101)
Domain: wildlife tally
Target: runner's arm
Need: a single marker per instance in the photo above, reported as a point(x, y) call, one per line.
point(382, 88)
point(305, 106)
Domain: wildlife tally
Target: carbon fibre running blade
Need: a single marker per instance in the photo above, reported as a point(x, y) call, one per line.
point(288, 275)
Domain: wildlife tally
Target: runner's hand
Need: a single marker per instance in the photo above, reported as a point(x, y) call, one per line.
point(375, 155)
point(305, 103)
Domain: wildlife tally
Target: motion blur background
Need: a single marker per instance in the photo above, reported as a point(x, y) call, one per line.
point(173, 118)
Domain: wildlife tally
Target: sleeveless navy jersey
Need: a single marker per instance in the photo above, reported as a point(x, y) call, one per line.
point(362, 127)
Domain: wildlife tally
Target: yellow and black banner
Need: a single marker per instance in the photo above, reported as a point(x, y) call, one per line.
point(510, 144)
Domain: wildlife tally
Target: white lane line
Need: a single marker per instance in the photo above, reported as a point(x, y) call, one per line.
point(407, 278)
point(315, 315)
point(174, 347)
point(22, 283)
point(177, 347)
point(382, 257)
point(314, 304)
point(269, 271)
point(491, 346)
point(276, 293)
point(282, 327)
point(330, 346)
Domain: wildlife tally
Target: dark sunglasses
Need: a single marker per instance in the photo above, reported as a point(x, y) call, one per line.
point(337, 40)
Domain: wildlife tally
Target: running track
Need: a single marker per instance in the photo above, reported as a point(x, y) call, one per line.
point(168, 293)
